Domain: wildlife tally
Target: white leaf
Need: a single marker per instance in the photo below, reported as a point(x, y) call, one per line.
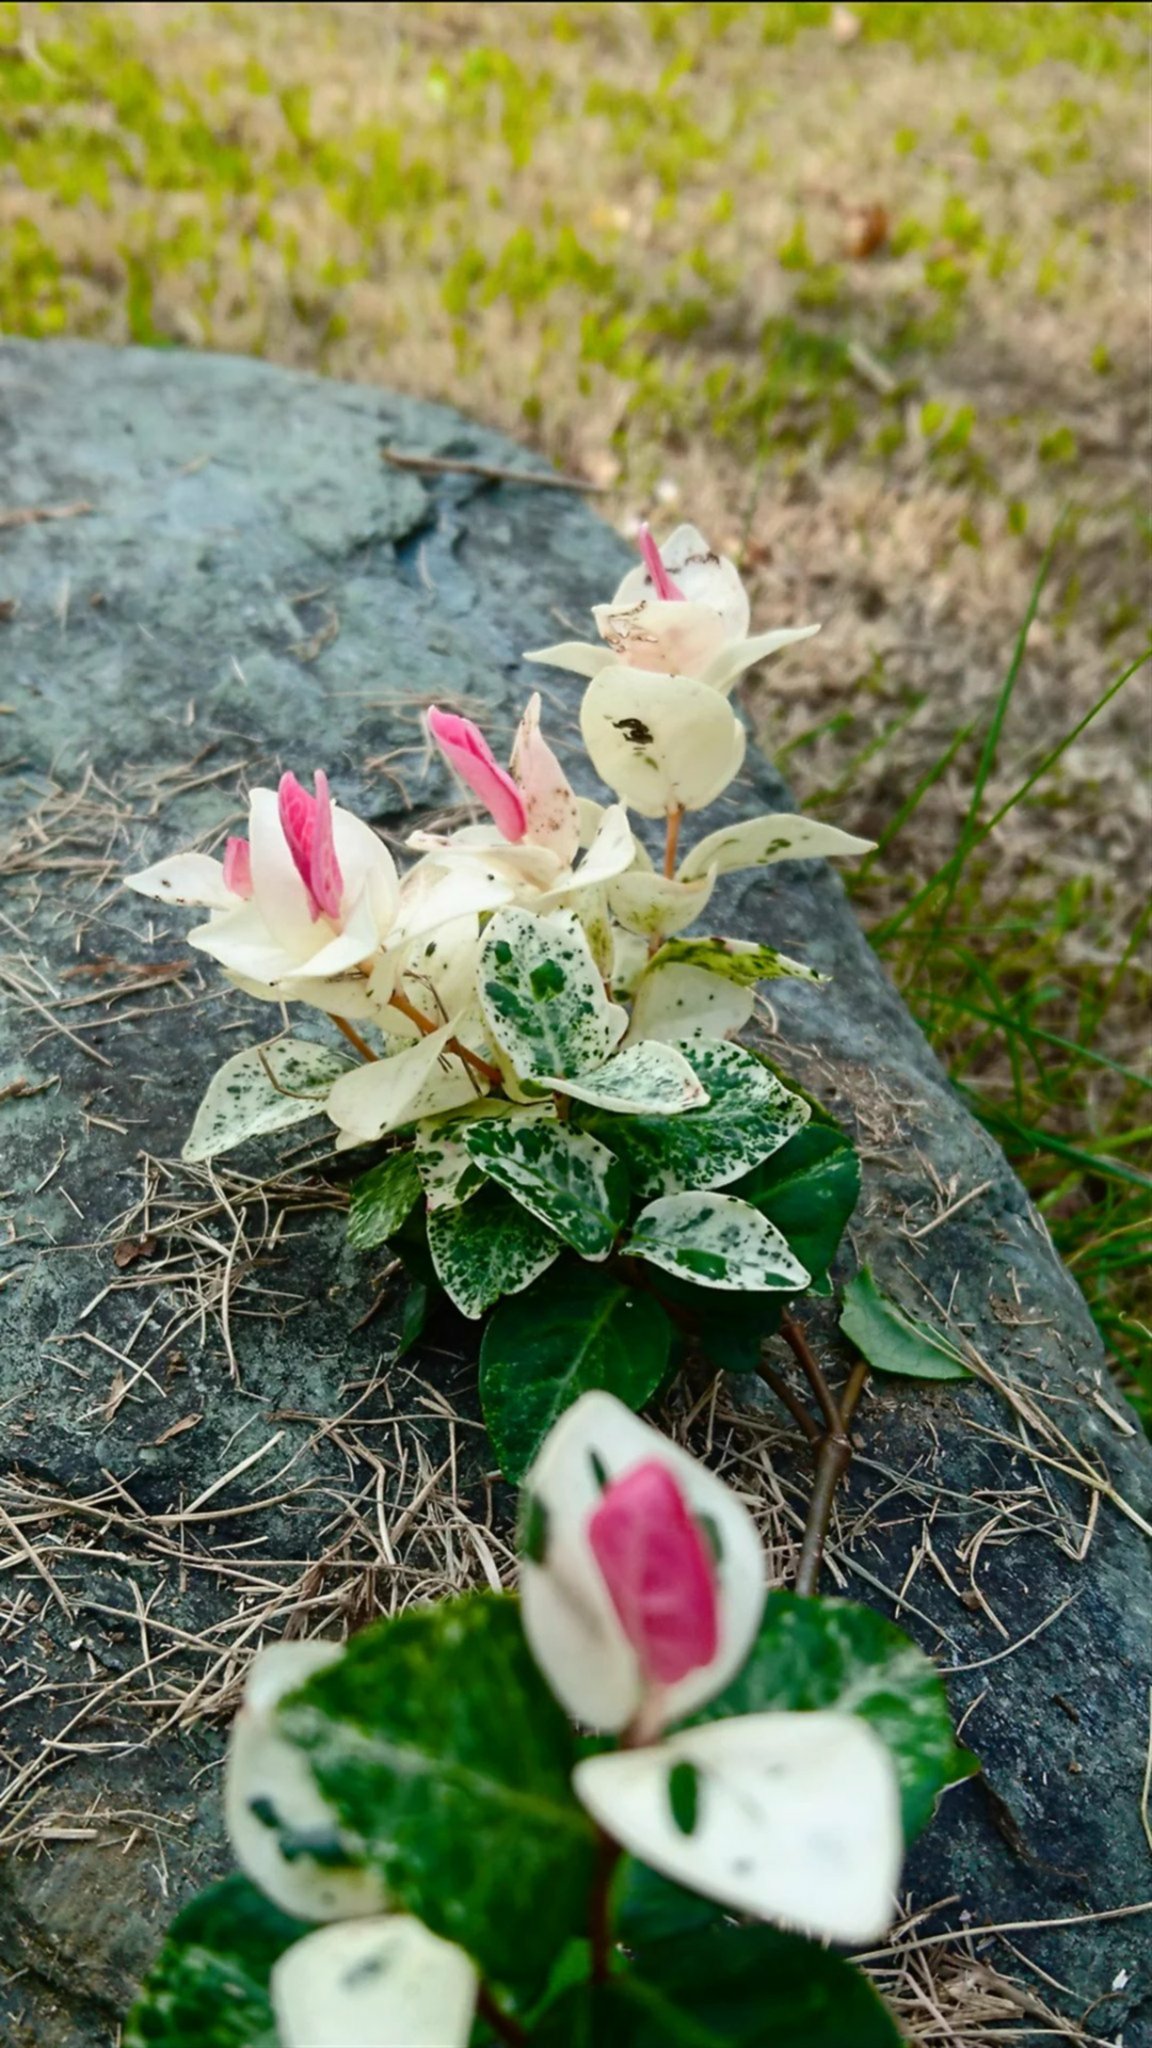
point(571, 1624)
point(187, 879)
point(270, 1797)
point(663, 743)
point(263, 1089)
point(716, 1241)
point(796, 1817)
point(612, 849)
point(386, 1095)
point(542, 996)
point(756, 842)
point(645, 1077)
point(731, 661)
point(655, 906)
point(675, 1002)
point(380, 1983)
point(579, 657)
point(701, 575)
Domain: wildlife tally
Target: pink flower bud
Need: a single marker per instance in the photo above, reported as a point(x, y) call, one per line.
point(653, 562)
point(465, 749)
point(306, 822)
point(658, 1568)
point(238, 867)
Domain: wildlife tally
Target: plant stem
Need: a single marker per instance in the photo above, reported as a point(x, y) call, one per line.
point(672, 840)
point(813, 1371)
point(608, 1855)
point(833, 1462)
point(425, 1025)
point(501, 2022)
point(795, 1407)
point(353, 1036)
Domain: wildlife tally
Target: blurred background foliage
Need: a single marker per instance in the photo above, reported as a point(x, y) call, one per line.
point(861, 290)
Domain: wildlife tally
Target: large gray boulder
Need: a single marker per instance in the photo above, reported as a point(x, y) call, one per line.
point(250, 586)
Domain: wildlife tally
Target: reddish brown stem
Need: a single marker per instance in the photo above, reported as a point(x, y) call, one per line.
point(353, 1036)
point(671, 841)
point(425, 1025)
point(501, 2022)
point(812, 1369)
point(608, 1855)
point(833, 1462)
point(795, 1407)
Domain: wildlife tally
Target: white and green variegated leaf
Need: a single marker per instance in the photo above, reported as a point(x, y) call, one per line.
point(488, 1247)
point(568, 1181)
point(748, 1116)
point(543, 997)
point(646, 1077)
point(380, 1983)
point(264, 1089)
point(757, 842)
point(655, 906)
point(674, 1003)
point(738, 960)
point(716, 1241)
point(381, 1199)
point(448, 1172)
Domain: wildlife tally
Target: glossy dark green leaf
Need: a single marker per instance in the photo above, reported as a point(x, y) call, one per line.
point(575, 1330)
point(438, 1741)
point(814, 1653)
point(417, 1309)
point(729, 1328)
point(381, 1199)
point(209, 1983)
point(563, 1177)
point(808, 1190)
point(740, 1987)
point(893, 1341)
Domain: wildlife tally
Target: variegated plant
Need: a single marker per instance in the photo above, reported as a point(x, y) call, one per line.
point(433, 1857)
point(544, 1059)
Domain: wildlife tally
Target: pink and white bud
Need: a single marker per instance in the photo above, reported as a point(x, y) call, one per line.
point(552, 815)
point(306, 822)
point(238, 868)
point(659, 1570)
point(654, 563)
point(467, 752)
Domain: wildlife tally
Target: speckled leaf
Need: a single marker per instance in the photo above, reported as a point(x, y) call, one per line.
point(540, 1352)
point(893, 1341)
point(756, 842)
point(815, 1653)
point(731, 1987)
point(748, 1116)
point(209, 1983)
point(654, 905)
point(738, 960)
point(486, 1248)
point(543, 997)
point(717, 1242)
point(566, 1180)
point(808, 1190)
point(385, 1982)
point(380, 1200)
point(266, 1088)
point(647, 1077)
point(448, 1173)
point(439, 1744)
point(661, 742)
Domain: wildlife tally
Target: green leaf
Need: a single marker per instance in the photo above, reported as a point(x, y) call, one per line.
point(740, 1987)
point(209, 1983)
point(447, 1170)
point(489, 1247)
point(748, 1116)
point(576, 1331)
point(729, 1328)
point(436, 1738)
point(649, 1077)
point(815, 1653)
point(542, 996)
point(417, 1308)
point(893, 1341)
point(381, 1199)
point(738, 960)
point(716, 1241)
point(808, 1190)
point(566, 1180)
point(263, 1089)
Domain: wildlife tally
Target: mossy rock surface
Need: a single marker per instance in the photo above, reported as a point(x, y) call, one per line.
point(252, 587)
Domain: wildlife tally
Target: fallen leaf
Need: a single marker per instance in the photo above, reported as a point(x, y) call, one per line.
point(866, 230)
point(180, 1428)
point(130, 1249)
